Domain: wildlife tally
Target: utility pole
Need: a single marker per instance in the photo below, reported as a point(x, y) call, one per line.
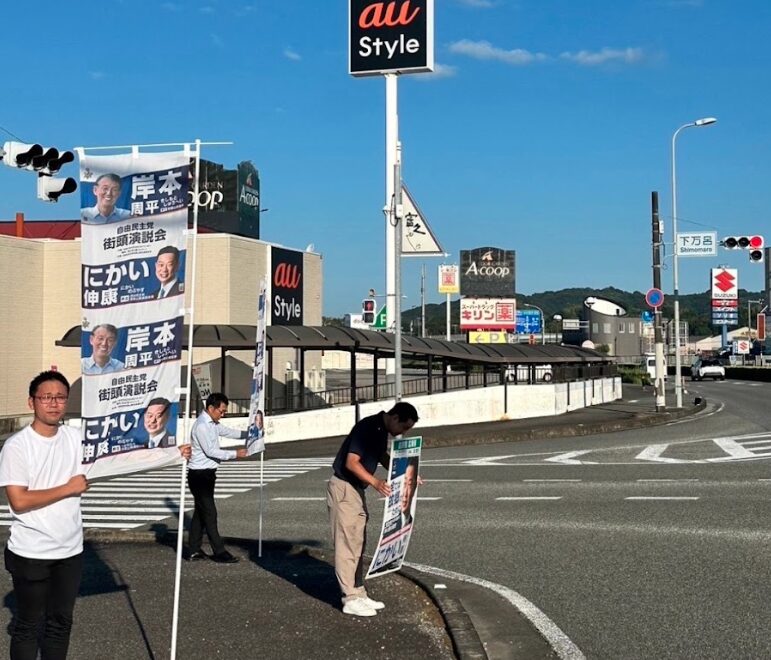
point(661, 401)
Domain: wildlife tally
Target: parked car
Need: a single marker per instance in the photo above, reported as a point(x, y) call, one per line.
point(707, 368)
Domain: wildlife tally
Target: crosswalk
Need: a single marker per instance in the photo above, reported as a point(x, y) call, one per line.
point(132, 501)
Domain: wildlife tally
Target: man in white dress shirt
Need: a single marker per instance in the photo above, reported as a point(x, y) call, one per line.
point(107, 192)
point(202, 476)
point(102, 339)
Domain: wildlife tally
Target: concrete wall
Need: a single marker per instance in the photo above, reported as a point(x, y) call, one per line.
point(461, 407)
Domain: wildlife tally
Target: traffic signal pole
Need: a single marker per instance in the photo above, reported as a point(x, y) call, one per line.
point(661, 401)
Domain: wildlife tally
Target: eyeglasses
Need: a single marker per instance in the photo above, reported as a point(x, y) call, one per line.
point(57, 399)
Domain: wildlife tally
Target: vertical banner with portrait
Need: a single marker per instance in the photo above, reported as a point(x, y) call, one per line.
point(399, 509)
point(133, 254)
point(255, 439)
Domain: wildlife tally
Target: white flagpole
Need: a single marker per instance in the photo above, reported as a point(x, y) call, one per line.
point(188, 390)
point(262, 486)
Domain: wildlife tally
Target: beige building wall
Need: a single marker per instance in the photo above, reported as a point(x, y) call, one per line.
point(40, 302)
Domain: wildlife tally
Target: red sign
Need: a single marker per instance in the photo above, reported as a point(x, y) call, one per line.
point(725, 303)
point(761, 326)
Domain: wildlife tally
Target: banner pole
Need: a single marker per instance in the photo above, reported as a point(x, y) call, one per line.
point(188, 390)
point(262, 486)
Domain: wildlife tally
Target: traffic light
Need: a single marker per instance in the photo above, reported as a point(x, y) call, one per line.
point(50, 188)
point(368, 311)
point(46, 161)
point(752, 243)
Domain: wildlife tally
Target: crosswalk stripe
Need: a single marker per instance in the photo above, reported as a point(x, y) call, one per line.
point(132, 501)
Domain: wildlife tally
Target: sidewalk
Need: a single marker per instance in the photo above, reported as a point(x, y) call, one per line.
point(285, 604)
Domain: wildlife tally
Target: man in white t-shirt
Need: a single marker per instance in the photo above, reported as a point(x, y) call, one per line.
point(40, 468)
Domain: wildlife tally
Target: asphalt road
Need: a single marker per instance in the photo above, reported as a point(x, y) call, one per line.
point(623, 578)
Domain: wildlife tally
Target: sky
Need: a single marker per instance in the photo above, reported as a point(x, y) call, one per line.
point(544, 128)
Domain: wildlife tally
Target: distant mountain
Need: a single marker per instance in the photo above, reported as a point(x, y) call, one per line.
point(694, 308)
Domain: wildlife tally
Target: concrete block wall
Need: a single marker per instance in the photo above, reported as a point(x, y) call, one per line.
point(460, 407)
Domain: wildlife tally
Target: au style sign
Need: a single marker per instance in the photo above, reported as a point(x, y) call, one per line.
point(287, 287)
point(487, 271)
point(390, 37)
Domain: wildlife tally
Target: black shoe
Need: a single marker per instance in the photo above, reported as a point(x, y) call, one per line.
point(224, 558)
point(197, 556)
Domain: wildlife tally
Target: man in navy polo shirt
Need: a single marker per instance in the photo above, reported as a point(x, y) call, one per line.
point(354, 470)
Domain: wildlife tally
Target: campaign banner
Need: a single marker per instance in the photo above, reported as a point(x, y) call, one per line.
point(202, 378)
point(133, 257)
point(399, 508)
point(255, 438)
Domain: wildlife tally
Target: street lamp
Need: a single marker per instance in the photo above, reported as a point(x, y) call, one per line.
point(543, 320)
point(706, 121)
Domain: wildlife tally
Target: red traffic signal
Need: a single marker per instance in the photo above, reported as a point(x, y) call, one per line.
point(753, 243)
point(368, 311)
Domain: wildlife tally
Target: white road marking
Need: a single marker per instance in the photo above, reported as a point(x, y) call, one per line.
point(563, 646)
point(660, 498)
point(436, 481)
point(654, 453)
point(666, 480)
point(734, 450)
point(569, 458)
point(551, 481)
point(299, 499)
point(531, 497)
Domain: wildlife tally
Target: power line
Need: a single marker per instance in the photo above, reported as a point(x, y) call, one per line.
point(16, 137)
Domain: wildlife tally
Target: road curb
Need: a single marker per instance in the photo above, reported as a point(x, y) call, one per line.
point(465, 638)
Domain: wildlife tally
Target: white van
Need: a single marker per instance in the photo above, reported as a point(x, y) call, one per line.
point(649, 366)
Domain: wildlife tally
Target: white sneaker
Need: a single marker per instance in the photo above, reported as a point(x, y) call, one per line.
point(374, 604)
point(359, 607)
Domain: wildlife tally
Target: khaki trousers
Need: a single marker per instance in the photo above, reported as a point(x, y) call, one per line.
point(348, 517)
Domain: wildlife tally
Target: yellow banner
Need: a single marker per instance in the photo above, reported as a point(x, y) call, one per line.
point(475, 337)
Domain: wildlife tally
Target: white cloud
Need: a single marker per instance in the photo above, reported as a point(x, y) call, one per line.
point(217, 40)
point(96, 75)
point(605, 56)
point(482, 4)
point(206, 9)
point(440, 71)
point(292, 55)
point(484, 50)
point(170, 6)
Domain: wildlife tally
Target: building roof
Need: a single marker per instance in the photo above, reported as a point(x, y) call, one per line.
point(333, 338)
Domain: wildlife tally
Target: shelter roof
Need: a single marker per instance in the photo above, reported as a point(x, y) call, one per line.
point(330, 338)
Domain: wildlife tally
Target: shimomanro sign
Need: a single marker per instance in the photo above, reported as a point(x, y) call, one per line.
point(396, 36)
point(488, 314)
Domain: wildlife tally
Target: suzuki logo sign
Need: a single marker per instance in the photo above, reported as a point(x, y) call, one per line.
point(390, 37)
point(287, 287)
point(725, 283)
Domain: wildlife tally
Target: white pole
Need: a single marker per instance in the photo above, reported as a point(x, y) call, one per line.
point(188, 390)
point(448, 317)
point(262, 486)
point(678, 378)
point(678, 381)
point(392, 137)
point(397, 298)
